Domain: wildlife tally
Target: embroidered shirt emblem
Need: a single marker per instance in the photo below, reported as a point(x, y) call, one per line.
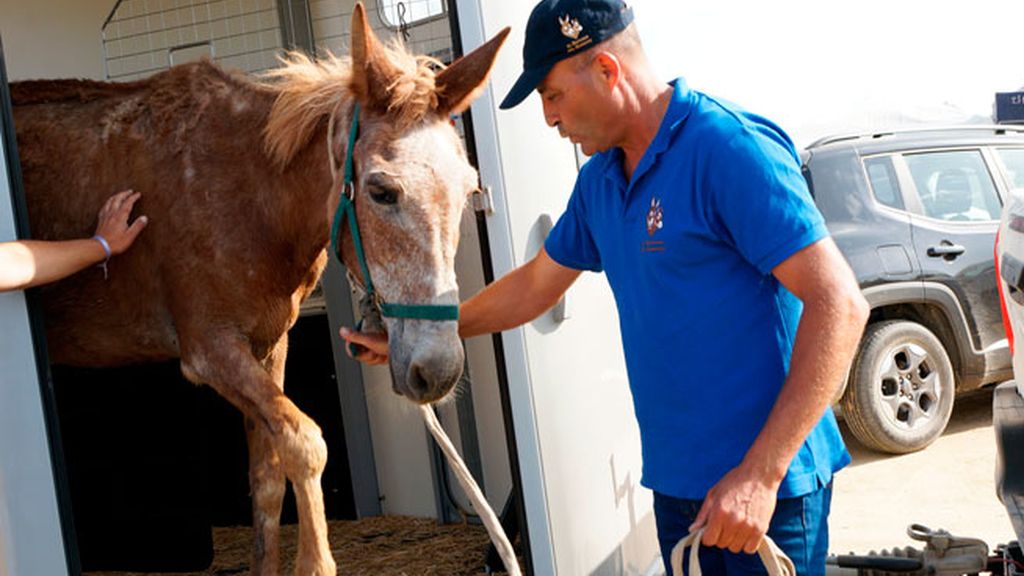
point(654, 217)
point(571, 27)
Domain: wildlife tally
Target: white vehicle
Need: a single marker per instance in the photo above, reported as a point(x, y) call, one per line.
point(1008, 401)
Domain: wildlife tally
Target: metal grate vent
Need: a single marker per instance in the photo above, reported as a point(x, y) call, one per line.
point(141, 37)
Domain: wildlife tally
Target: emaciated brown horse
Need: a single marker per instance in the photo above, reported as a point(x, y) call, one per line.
point(237, 181)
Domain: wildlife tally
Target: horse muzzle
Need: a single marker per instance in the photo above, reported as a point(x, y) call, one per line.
point(427, 359)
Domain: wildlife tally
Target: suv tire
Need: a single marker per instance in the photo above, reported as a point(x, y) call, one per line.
point(901, 388)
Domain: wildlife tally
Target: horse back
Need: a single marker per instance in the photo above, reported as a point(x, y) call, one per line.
point(189, 140)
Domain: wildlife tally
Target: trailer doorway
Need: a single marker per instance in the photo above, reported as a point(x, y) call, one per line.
point(381, 455)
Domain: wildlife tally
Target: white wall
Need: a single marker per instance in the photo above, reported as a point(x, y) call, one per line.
point(53, 38)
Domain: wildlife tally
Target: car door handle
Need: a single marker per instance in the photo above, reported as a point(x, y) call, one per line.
point(946, 250)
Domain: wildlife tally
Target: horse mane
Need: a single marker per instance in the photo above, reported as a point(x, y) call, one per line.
point(310, 91)
point(28, 92)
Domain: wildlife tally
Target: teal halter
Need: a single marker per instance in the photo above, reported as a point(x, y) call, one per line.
point(347, 205)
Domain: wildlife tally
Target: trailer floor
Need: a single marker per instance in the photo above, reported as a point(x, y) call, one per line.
point(379, 546)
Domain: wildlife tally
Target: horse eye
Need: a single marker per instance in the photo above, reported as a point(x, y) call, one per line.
point(382, 195)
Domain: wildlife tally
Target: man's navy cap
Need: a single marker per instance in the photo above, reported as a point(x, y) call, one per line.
point(559, 29)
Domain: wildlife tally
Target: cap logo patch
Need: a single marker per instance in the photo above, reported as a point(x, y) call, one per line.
point(570, 27)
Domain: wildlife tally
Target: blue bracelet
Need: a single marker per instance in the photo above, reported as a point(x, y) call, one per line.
point(103, 242)
point(106, 248)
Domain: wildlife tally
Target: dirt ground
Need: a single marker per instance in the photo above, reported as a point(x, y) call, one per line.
point(948, 485)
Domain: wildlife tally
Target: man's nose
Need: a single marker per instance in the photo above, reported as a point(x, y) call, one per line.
point(550, 116)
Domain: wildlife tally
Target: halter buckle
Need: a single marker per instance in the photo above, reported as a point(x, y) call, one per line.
point(348, 190)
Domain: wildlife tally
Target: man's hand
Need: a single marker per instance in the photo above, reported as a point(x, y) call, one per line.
point(737, 511)
point(374, 346)
point(113, 221)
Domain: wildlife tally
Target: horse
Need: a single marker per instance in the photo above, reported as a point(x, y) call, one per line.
point(239, 182)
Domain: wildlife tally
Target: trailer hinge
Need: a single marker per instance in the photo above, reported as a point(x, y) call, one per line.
point(483, 201)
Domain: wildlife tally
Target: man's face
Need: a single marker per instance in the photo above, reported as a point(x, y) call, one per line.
point(574, 104)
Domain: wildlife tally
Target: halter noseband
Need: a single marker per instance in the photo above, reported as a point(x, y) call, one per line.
point(346, 204)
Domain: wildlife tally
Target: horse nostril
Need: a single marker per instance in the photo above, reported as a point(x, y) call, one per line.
point(418, 382)
point(431, 375)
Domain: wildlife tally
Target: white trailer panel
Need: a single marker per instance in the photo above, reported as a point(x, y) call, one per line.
point(579, 447)
point(30, 525)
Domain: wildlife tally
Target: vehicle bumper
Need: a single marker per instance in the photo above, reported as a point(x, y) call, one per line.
point(1008, 423)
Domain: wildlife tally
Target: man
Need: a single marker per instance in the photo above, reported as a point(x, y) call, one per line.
point(28, 263)
point(698, 214)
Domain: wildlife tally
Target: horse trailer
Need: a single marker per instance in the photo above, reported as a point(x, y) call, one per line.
point(543, 418)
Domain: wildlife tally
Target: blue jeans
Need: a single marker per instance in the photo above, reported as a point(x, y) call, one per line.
point(799, 526)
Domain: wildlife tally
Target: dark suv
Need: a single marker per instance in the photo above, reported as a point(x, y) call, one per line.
point(915, 213)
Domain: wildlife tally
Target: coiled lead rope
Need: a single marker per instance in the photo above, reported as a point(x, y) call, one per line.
point(774, 559)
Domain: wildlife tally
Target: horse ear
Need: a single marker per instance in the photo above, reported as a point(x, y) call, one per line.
point(372, 72)
point(460, 83)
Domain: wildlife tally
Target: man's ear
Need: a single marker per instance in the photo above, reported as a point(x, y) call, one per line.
point(608, 67)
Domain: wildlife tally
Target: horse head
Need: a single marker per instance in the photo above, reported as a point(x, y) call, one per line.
point(410, 183)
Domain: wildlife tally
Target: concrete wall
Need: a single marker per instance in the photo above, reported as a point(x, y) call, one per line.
point(53, 38)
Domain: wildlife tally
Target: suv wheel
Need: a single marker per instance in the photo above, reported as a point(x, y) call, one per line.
point(901, 387)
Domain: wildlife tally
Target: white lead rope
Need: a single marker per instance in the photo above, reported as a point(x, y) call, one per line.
point(508, 555)
point(774, 559)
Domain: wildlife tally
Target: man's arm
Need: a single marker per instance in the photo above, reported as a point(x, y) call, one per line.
point(28, 263)
point(737, 510)
point(512, 300)
point(516, 298)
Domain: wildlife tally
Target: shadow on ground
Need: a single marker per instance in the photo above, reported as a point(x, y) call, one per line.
point(972, 410)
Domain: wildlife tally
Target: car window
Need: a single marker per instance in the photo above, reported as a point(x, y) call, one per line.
point(840, 189)
point(954, 186)
point(884, 186)
point(1013, 160)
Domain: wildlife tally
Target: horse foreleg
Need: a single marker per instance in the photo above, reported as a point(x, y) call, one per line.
point(227, 364)
point(304, 456)
point(267, 483)
point(266, 479)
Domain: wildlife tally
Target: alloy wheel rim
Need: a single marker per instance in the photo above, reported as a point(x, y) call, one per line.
point(908, 386)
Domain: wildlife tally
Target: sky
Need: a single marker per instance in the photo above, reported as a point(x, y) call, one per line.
point(824, 67)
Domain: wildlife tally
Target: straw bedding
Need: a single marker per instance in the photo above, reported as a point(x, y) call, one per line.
point(379, 546)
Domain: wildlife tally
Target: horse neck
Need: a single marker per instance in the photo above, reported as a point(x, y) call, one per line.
point(298, 202)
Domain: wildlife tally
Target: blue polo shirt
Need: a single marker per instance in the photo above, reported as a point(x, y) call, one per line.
point(688, 246)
